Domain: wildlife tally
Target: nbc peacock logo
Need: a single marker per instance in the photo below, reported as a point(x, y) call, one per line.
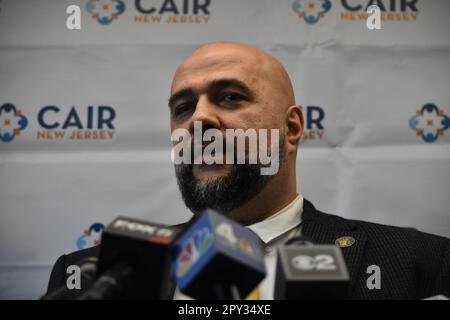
point(12, 122)
point(193, 249)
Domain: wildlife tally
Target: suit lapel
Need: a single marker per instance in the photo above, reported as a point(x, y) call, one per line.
point(322, 228)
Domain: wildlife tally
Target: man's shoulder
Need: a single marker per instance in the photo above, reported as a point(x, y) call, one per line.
point(377, 230)
point(414, 264)
point(405, 233)
point(58, 274)
point(393, 242)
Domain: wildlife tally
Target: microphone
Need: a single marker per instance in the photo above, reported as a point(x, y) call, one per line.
point(88, 269)
point(113, 284)
point(134, 261)
point(308, 271)
point(216, 258)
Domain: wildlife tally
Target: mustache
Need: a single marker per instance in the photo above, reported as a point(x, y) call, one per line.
point(225, 145)
point(238, 147)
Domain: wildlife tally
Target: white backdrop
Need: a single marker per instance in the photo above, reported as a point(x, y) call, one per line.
point(361, 157)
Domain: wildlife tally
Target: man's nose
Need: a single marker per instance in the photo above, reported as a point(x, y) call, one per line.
point(207, 113)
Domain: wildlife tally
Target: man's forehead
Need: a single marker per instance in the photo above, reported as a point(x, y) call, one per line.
point(224, 52)
point(201, 70)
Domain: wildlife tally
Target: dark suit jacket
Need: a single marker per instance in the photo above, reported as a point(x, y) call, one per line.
point(413, 264)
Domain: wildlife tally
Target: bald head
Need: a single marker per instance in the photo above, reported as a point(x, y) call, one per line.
point(228, 85)
point(255, 65)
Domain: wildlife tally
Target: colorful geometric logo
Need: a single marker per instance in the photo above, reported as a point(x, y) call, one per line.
point(12, 122)
point(430, 122)
point(311, 10)
point(193, 249)
point(105, 11)
point(91, 237)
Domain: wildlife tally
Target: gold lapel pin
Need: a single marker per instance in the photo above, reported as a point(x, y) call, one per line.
point(345, 241)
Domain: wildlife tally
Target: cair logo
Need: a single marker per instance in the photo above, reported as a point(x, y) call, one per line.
point(390, 10)
point(91, 123)
point(91, 237)
point(311, 10)
point(12, 122)
point(430, 122)
point(193, 249)
point(105, 11)
point(172, 11)
point(59, 123)
point(356, 10)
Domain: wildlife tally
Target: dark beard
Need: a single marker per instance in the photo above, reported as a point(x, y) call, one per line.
point(222, 194)
point(225, 193)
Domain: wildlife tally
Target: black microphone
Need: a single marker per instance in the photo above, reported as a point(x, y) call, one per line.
point(114, 283)
point(216, 258)
point(88, 270)
point(134, 261)
point(306, 271)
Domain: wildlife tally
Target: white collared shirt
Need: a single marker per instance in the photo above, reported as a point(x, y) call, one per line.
point(272, 231)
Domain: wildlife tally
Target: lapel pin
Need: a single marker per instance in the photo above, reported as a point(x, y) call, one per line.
point(345, 241)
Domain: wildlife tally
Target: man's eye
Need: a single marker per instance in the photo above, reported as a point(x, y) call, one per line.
point(182, 110)
point(231, 97)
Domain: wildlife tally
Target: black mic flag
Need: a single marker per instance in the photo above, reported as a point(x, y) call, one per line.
point(134, 261)
point(308, 271)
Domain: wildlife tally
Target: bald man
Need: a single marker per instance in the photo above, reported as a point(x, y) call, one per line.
point(227, 86)
point(235, 86)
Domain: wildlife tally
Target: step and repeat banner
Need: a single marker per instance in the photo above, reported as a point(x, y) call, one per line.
point(84, 122)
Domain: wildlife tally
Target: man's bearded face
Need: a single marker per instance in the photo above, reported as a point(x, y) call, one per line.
point(222, 193)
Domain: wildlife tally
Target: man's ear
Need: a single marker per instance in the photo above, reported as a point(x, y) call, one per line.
point(294, 127)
